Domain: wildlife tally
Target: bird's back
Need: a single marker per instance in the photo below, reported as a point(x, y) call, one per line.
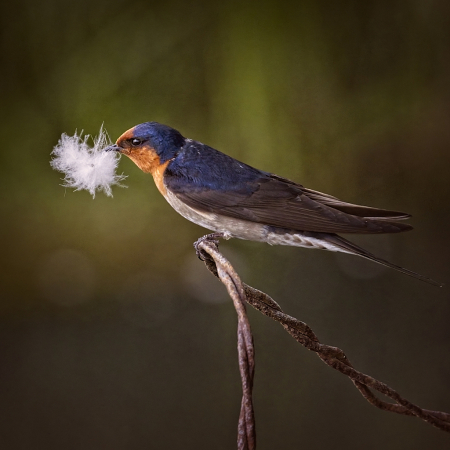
point(210, 181)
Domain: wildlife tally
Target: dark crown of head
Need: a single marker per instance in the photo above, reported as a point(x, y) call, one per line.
point(165, 140)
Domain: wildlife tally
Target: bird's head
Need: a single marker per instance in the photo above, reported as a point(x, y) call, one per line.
point(149, 145)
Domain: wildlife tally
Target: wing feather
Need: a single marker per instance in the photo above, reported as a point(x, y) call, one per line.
point(210, 181)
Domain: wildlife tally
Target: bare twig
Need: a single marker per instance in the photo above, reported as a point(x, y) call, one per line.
point(206, 248)
point(208, 251)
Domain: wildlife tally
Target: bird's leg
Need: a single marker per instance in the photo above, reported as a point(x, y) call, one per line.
point(213, 238)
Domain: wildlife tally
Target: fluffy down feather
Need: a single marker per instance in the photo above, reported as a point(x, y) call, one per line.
point(86, 167)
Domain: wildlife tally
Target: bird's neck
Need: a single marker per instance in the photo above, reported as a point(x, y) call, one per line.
point(149, 162)
point(158, 176)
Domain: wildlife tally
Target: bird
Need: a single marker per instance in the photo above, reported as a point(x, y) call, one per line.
point(236, 200)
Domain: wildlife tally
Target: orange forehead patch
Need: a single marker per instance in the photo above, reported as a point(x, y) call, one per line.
point(127, 135)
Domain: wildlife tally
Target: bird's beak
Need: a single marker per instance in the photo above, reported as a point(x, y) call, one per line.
point(113, 148)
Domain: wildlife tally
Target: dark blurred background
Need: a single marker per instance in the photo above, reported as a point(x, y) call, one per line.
point(112, 334)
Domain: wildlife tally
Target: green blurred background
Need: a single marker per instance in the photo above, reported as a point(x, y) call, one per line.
point(112, 334)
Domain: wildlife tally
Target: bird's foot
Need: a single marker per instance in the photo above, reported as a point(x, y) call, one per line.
point(213, 238)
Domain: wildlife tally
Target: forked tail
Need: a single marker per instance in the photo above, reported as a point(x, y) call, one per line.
point(349, 247)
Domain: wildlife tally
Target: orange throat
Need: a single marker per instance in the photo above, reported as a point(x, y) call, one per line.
point(149, 162)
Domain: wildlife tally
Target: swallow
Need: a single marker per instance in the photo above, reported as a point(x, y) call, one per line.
point(236, 200)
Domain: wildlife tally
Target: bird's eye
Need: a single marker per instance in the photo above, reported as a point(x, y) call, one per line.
point(136, 142)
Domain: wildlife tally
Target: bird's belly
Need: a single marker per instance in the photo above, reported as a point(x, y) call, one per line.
point(237, 228)
point(251, 231)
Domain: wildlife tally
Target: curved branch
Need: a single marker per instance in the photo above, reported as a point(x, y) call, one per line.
point(208, 251)
point(207, 248)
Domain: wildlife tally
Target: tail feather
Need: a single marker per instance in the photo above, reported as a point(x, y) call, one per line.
point(403, 270)
point(349, 247)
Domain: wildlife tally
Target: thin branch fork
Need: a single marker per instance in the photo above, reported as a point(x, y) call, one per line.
point(208, 251)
